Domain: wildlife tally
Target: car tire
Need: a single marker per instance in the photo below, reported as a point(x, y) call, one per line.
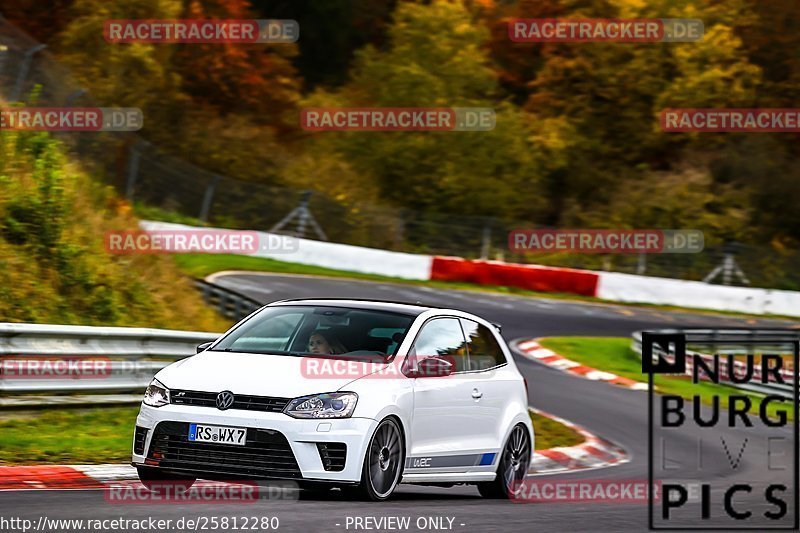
point(156, 480)
point(383, 464)
point(511, 468)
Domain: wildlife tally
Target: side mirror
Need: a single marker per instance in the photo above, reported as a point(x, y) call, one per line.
point(203, 347)
point(434, 367)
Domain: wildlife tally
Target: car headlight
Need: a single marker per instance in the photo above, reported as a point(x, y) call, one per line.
point(330, 405)
point(156, 394)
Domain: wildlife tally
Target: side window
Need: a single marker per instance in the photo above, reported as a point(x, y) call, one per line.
point(443, 336)
point(484, 351)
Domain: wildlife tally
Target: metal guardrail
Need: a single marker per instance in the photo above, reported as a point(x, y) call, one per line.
point(34, 357)
point(735, 341)
point(120, 362)
point(229, 303)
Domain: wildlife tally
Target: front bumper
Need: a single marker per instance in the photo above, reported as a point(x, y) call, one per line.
point(302, 435)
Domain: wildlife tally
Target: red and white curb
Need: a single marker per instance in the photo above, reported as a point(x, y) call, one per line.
point(64, 476)
point(81, 477)
point(592, 453)
point(534, 351)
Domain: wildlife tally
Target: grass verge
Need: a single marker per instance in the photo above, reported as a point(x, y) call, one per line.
point(614, 354)
point(68, 436)
point(104, 435)
point(551, 433)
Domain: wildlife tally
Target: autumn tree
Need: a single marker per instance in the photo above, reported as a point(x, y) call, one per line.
point(435, 58)
point(40, 23)
point(258, 80)
point(126, 75)
point(208, 104)
point(331, 32)
point(608, 96)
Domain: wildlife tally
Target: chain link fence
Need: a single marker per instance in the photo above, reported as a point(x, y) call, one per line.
point(149, 177)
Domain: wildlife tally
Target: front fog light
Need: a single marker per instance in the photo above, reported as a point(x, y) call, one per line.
point(330, 405)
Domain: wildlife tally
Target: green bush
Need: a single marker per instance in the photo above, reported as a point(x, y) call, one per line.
point(53, 265)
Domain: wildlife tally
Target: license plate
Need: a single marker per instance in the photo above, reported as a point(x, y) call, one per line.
point(217, 434)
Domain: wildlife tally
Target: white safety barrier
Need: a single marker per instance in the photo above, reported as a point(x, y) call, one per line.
point(630, 288)
point(332, 255)
point(611, 286)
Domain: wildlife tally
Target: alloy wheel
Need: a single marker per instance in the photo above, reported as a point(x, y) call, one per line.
point(516, 460)
point(385, 455)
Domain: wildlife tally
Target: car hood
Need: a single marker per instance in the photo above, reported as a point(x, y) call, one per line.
point(283, 376)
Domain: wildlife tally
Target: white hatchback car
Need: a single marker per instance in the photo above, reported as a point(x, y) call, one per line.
point(357, 394)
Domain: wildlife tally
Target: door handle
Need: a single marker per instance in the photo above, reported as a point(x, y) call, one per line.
point(476, 394)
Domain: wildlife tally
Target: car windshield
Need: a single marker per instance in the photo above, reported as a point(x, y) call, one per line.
point(320, 331)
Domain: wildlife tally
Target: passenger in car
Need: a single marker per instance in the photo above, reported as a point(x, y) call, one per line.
point(325, 343)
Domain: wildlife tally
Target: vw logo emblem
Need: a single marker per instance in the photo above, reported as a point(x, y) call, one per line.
point(224, 400)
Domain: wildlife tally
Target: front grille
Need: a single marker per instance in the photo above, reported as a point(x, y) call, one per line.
point(245, 402)
point(139, 436)
point(266, 453)
point(333, 455)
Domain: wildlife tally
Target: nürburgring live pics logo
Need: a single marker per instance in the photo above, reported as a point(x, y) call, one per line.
point(743, 463)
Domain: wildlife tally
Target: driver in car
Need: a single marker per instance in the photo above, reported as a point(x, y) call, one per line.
point(325, 343)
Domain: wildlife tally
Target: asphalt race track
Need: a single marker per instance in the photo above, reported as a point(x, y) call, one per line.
point(614, 413)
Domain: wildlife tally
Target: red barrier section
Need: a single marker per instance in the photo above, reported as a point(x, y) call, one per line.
point(531, 277)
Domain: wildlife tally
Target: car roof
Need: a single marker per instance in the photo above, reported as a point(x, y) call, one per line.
point(354, 303)
point(406, 308)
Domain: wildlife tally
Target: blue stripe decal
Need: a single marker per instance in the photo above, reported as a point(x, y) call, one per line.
point(487, 459)
point(445, 461)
